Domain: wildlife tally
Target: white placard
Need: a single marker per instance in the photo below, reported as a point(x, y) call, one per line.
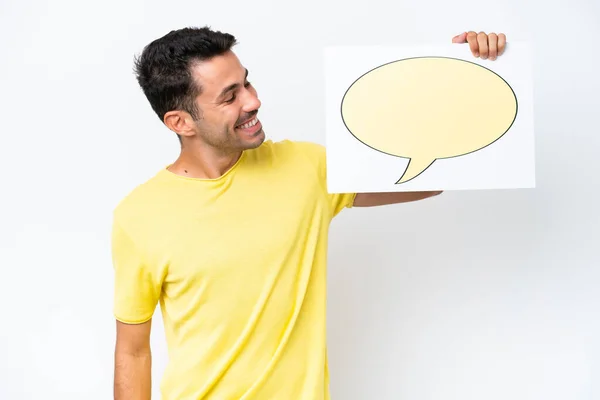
point(428, 118)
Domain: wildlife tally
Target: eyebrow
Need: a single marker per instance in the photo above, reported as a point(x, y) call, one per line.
point(231, 87)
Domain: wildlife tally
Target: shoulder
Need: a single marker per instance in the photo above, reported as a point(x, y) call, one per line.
point(295, 157)
point(299, 147)
point(290, 151)
point(138, 205)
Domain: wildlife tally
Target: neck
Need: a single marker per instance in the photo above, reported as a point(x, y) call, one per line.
point(204, 162)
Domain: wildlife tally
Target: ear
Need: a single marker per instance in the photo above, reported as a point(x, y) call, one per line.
point(180, 122)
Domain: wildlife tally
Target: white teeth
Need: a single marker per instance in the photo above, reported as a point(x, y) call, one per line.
point(249, 124)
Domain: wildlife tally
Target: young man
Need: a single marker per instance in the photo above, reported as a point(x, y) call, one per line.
point(230, 239)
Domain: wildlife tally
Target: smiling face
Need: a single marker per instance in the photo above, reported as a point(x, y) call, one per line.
point(228, 106)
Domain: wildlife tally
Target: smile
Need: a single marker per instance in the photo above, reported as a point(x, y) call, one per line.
point(249, 124)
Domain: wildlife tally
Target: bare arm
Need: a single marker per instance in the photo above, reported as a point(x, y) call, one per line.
point(133, 362)
point(380, 199)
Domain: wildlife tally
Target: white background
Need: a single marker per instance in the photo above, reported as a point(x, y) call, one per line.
point(472, 295)
point(353, 166)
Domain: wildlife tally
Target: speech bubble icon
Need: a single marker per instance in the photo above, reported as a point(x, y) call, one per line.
point(428, 108)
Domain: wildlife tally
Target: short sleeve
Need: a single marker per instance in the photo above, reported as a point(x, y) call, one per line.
point(137, 284)
point(338, 201)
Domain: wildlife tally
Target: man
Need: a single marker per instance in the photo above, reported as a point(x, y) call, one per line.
point(230, 239)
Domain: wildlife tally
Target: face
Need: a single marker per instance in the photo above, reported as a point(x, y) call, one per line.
point(228, 106)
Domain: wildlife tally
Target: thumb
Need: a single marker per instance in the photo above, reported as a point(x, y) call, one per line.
point(462, 38)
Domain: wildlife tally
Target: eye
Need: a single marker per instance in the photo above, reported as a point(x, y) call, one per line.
point(232, 98)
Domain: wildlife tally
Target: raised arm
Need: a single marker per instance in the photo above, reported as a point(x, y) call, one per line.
point(133, 362)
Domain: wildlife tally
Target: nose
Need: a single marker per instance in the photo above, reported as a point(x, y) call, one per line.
point(251, 101)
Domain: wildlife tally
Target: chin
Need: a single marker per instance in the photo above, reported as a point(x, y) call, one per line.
point(257, 139)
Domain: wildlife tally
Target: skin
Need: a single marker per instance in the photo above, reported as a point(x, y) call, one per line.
point(133, 362)
point(213, 143)
point(210, 146)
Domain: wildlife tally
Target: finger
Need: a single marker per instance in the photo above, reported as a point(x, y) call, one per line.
point(501, 43)
point(492, 46)
point(462, 38)
point(473, 46)
point(483, 45)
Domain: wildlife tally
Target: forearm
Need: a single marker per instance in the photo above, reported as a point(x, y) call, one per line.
point(380, 199)
point(132, 380)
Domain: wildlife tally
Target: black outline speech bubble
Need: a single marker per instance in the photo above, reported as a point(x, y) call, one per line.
point(435, 159)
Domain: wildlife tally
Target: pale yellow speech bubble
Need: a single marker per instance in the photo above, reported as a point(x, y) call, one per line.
point(428, 108)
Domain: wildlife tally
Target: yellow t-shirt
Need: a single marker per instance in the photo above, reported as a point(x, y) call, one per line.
point(238, 266)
